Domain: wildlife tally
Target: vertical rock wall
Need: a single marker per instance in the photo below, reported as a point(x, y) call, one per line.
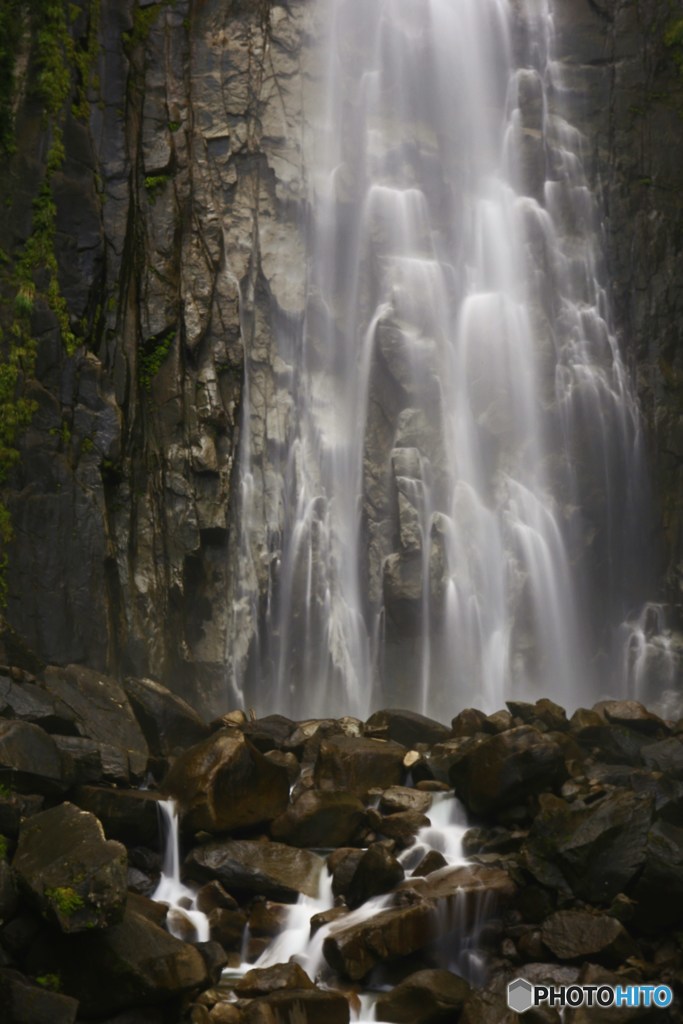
point(177, 242)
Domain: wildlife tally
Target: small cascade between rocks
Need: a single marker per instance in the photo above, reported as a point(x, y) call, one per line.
point(184, 920)
point(459, 515)
point(312, 921)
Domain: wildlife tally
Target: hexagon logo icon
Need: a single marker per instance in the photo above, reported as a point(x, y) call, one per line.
point(520, 995)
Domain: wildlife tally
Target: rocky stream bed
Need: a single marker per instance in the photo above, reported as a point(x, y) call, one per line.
point(572, 868)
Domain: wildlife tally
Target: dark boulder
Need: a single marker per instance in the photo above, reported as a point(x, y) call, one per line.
point(594, 851)
point(658, 891)
point(131, 964)
point(665, 756)
point(402, 826)
point(29, 1002)
point(168, 722)
point(100, 710)
point(262, 980)
point(320, 818)
point(582, 935)
point(358, 765)
point(29, 760)
point(27, 702)
point(130, 815)
point(632, 715)
point(256, 868)
point(376, 872)
point(508, 768)
point(426, 997)
point(87, 761)
point(224, 783)
point(303, 1005)
point(406, 727)
point(402, 798)
point(73, 875)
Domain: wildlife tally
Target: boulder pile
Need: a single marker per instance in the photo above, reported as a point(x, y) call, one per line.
point(574, 870)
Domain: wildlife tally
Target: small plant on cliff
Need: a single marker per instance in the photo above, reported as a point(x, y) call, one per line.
point(153, 356)
point(154, 184)
point(673, 39)
point(53, 982)
point(65, 899)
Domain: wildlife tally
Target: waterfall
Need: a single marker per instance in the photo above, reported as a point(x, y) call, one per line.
point(463, 494)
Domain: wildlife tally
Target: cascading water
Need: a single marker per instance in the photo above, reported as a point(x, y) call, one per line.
point(463, 496)
point(184, 920)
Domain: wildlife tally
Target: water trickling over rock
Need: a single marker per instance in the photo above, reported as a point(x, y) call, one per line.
point(462, 495)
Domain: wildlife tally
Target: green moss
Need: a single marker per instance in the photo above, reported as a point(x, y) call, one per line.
point(673, 40)
point(154, 184)
point(153, 356)
point(143, 19)
point(174, 126)
point(53, 982)
point(87, 445)
point(64, 899)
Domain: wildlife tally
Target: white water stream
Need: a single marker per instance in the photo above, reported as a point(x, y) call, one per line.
point(464, 494)
point(183, 920)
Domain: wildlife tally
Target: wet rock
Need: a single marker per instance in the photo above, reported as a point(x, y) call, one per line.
point(427, 997)
point(410, 923)
point(101, 710)
point(269, 733)
point(74, 876)
point(665, 756)
point(26, 702)
point(87, 761)
point(377, 871)
point(507, 768)
point(168, 722)
point(213, 895)
point(401, 798)
point(224, 783)
point(406, 727)
point(358, 765)
point(633, 715)
point(131, 964)
point(544, 714)
point(257, 868)
point(225, 1013)
point(581, 935)
point(468, 722)
point(658, 891)
point(9, 896)
point(402, 826)
point(304, 1005)
point(130, 815)
point(227, 928)
point(320, 818)
point(431, 861)
point(260, 981)
point(593, 851)
point(29, 759)
point(267, 919)
point(26, 1002)
point(491, 840)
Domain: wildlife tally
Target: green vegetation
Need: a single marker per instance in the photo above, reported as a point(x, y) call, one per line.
point(152, 358)
point(55, 54)
point(174, 126)
point(4, 846)
point(50, 981)
point(154, 184)
point(673, 39)
point(65, 899)
point(143, 19)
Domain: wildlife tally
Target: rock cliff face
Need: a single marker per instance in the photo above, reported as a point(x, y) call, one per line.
point(179, 210)
point(177, 242)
